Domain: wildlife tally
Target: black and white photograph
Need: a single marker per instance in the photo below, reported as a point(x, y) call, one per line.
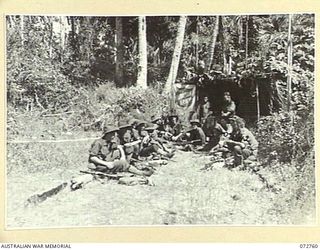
point(160, 120)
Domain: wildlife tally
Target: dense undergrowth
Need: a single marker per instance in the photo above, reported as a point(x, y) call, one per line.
point(87, 110)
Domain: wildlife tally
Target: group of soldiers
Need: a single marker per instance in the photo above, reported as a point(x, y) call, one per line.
point(122, 147)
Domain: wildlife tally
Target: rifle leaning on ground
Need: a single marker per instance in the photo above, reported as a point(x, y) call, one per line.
point(102, 174)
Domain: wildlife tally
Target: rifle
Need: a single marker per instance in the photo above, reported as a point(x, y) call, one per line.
point(102, 174)
point(182, 143)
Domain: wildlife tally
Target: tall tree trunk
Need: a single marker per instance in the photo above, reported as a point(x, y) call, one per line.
point(176, 55)
point(197, 42)
point(120, 53)
point(22, 29)
point(142, 67)
point(63, 35)
point(73, 33)
point(289, 63)
point(50, 22)
point(240, 27)
point(89, 31)
point(247, 42)
point(223, 43)
point(213, 44)
point(10, 22)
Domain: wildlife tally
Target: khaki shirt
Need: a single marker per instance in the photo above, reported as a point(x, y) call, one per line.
point(229, 107)
point(196, 134)
point(101, 149)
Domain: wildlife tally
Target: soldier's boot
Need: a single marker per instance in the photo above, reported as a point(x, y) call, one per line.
point(165, 154)
point(136, 171)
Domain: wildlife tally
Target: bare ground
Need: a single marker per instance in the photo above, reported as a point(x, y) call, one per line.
point(183, 194)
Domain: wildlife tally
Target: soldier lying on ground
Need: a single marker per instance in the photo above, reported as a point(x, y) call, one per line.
point(106, 154)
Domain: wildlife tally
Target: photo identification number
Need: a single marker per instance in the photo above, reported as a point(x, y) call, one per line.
point(308, 245)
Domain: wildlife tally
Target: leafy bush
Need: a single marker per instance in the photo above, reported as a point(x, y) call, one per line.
point(108, 103)
point(285, 137)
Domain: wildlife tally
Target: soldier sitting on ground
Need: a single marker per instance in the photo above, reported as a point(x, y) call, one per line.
point(134, 129)
point(213, 131)
point(162, 127)
point(193, 136)
point(159, 121)
point(229, 107)
point(106, 154)
point(160, 138)
point(175, 127)
point(148, 145)
point(126, 139)
point(242, 143)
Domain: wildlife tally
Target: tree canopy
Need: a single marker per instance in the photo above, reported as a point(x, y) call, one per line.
point(50, 57)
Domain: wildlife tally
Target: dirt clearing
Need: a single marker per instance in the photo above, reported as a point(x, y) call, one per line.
point(183, 194)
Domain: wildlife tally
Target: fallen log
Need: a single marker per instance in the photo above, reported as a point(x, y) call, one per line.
point(74, 184)
point(38, 198)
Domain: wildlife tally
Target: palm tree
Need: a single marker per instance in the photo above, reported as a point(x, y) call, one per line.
point(176, 54)
point(142, 67)
point(120, 52)
point(213, 44)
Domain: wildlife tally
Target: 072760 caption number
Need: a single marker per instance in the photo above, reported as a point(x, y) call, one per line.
point(308, 245)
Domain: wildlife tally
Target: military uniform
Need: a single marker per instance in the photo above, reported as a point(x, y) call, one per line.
point(250, 143)
point(102, 149)
point(197, 134)
point(204, 111)
point(149, 143)
point(125, 132)
point(248, 150)
point(176, 129)
point(228, 111)
point(107, 151)
point(229, 107)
